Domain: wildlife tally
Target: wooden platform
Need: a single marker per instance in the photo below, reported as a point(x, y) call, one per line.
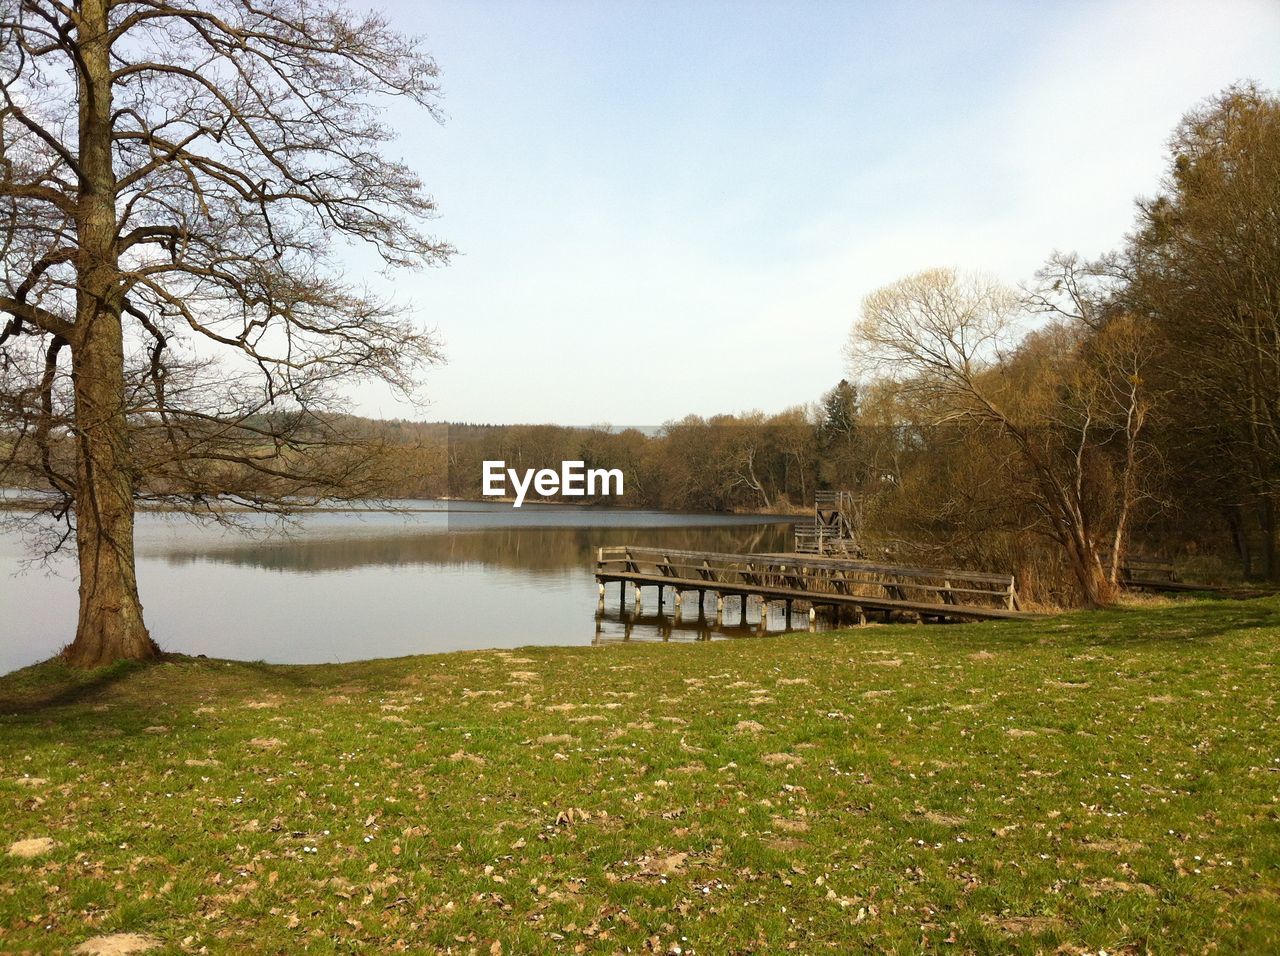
point(924, 594)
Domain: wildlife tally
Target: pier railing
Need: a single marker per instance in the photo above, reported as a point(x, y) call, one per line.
point(939, 592)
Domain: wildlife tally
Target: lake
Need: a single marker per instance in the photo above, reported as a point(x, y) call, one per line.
point(349, 585)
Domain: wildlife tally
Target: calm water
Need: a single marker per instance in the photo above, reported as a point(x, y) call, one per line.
point(350, 585)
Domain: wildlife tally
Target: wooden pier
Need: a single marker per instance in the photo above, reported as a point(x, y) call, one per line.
point(862, 587)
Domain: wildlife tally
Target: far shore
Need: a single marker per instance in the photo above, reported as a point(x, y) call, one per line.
point(30, 501)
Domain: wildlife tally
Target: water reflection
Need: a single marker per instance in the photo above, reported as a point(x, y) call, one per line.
point(527, 549)
point(618, 619)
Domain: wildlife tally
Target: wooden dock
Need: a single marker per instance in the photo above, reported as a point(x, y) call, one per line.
point(865, 588)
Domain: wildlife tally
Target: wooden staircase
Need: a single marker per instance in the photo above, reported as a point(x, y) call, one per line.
point(836, 527)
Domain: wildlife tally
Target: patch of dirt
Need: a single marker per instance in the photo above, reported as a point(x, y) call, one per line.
point(31, 782)
point(748, 727)
point(791, 826)
point(460, 755)
point(521, 677)
point(117, 944)
point(891, 662)
point(873, 694)
point(664, 865)
point(982, 656)
point(943, 819)
point(1019, 732)
point(785, 844)
point(1108, 885)
point(1113, 846)
point(28, 849)
point(777, 760)
point(789, 681)
point(261, 704)
point(557, 739)
point(158, 729)
point(266, 743)
point(210, 762)
point(1023, 924)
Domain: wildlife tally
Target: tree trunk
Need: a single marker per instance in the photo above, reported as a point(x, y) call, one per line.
point(1240, 536)
point(1095, 586)
point(1267, 519)
point(1071, 528)
point(110, 625)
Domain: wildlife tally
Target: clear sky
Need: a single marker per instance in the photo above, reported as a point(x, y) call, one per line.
point(664, 208)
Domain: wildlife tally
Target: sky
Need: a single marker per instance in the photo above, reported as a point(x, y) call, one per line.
point(667, 208)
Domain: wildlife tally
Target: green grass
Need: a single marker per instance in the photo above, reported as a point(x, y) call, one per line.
point(1095, 781)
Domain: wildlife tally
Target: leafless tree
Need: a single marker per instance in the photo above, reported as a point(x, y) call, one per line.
point(1086, 292)
point(178, 181)
point(947, 340)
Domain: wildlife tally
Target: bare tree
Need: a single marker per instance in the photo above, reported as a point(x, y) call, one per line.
point(1109, 388)
point(1086, 292)
point(946, 339)
point(178, 178)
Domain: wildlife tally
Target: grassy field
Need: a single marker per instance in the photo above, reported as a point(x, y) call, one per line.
point(1095, 782)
